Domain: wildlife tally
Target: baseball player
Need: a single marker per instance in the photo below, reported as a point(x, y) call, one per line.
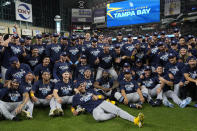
point(63, 92)
point(13, 99)
point(100, 109)
point(42, 93)
point(129, 92)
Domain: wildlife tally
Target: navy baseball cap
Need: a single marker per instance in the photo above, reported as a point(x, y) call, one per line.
point(119, 34)
point(127, 72)
point(147, 35)
point(21, 40)
point(83, 57)
point(63, 71)
point(94, 40)
point(191, 58)
point(126, 65)
point(160, 43)
point(176, 30)
point(63, 54)
point(13, 59)
point(47, 35)
point(147, 68)
point(55, 35)
point(43, 71)
point(117, 46)
point(17, 80)
point(64, 38)
point(81, 37)
point(29, 72)
point(173, 42)
point(155, 34)
point(129, 35)
point(139, 36)
point(15, 36)
point(190, 37)
point(171, 55)
point(138, 61)
point(73, 38)
point(39, 36)
point(163, 33)
point(28, 37)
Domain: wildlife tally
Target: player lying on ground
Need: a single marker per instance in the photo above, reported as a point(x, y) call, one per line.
point(100, 109)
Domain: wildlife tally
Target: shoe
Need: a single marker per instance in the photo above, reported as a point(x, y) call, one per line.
point(195, 105)
point(135, 105)
point(51, 113)
point(80, 109)
point(158, 102)
point(56, 112)
point(60, 112)
point(139, 120)
point(16, 119)
point(26, 114)
point(152, 103)
point(168, 104)
point(113, 102)
point(185, 102)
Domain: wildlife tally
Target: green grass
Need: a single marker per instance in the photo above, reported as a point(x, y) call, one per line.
point(156, 119)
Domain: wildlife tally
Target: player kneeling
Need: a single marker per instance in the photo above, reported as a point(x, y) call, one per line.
point(63, 92)
point(100, 109)
point(13, 99)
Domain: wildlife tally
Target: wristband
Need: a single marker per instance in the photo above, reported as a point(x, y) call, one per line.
point(70, 62)
point(76, 62)
point(132, 57)
point(32, 94)
point(99, 96)
point(72, 109)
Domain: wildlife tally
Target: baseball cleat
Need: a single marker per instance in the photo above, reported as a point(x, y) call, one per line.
point(51, 113)
point(139, 120)
point(168, 104)
point(185, 102)
point(60, 112)
point(26, 114)
point(80, 109)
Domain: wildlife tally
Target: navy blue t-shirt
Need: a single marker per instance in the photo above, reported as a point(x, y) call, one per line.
point(54, 51)
point(41, 90)
point(148, 82)
point(59, 67)
point(17, 73)
point(12, 95)
point(27, 86)
point(40, 68)
point(106, 83)
point(175, 70)
point(80, 69)
point(191, 71)
point(92, 54)
point(64, 89)
point(89, 83)
point(32, 61)
point(129, 86)
point(85, 101)
point(127, 49)
point(74, 53)
point(106, 60)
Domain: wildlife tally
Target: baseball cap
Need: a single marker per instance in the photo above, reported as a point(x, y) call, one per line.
point(171, 55)
point(21, 40)
point(126, 65)
point(83, 57)
point(127, 72)
point(191, 58)
point(55, 35)
point(117, 46)
point(47, 35)
point(176, 30)
point(129, 35)
point(147, 68)
point(13, 59)
point(140, 36)
point(138, 61)
point(155, 34)
point(160, 43)
point(163, 33)
point(28, 37)
point(94, 40)
point(119, 34)
point(64, 38)
point(38, 36)
point(173, 42)
point(63, 54)
point(17, 80)
point(147, 35)
point(15, 36)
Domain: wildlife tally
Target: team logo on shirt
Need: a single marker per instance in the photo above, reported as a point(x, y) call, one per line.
point(88, 84)
point(14, 96)
point(174, 70)
point(130, 48)
point(129, 87)
point(87, 97)
point(193, 74)
point(140, 55)
point(107, 59)
point(41, 50)
point(95, 52)
point(56, 49)
point(33, 62)
point(164, 57)
point(148, 83)
point(139, 73)
point(45, 90)
point(106, 85)
point(19, 74)
point(154, 50)
point(66, 90)
point(65, 67)
point(81, 71)
point(15, 50)
point(74, 51)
